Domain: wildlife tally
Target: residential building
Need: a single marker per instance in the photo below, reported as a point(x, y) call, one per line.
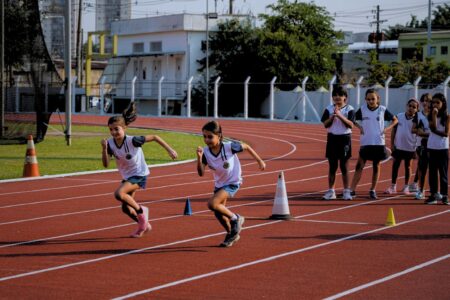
point(415, 45)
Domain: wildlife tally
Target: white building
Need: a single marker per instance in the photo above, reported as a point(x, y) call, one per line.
point(156, 47)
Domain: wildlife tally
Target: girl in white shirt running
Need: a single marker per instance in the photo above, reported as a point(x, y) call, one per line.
point(127, 151)
point(221, 157)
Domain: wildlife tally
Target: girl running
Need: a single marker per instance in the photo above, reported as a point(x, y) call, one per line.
point(372, 141)
point(404, 145)
point(421, 128)
point(338, 119)
point(222, 159)
point(127, 151)
point(438, 149)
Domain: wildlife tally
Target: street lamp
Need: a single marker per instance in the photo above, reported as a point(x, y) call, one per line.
point(208, 16)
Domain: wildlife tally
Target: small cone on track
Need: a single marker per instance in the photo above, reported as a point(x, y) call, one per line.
point(187, 208)
point(280, 210)
point(390, 221)
point(31, 167)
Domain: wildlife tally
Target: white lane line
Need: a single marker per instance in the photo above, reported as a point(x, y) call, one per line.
point(387, 278)
point(21, 275)
point(333, 222)
point(267, 259)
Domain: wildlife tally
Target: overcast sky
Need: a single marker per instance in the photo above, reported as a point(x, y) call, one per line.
point(349, 15)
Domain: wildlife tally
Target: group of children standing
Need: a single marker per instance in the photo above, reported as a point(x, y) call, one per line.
point(422, 134)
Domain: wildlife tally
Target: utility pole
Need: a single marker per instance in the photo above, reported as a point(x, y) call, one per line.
point(378, 35)
point(79, 43)
point(67, 71)
point(429, 30)
point(2, 69)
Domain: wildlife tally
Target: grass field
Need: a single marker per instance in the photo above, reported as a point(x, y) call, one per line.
point(55, 157)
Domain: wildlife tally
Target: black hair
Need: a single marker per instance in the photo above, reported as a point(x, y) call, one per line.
point(442, 113)
point(214, 127)
point(129, 115)
point(339, 91)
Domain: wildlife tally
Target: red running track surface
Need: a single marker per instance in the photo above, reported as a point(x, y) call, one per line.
point(66, 237)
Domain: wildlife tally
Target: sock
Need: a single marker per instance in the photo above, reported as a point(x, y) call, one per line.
point(234, 217)
point(140, 211)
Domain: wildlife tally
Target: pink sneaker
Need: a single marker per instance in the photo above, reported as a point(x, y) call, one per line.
point(143, 224)
point(391, 190)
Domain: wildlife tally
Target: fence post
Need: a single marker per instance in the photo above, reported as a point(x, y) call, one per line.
point(386, 90)
point(416, 87)
point(304, 98)
point(189, 91)
point(133, 81)
point(102, 94)
point(330, 88)
point(272, 97)
point(358, 91)
point(160, 95)
point(246, 97)
point(216, 97)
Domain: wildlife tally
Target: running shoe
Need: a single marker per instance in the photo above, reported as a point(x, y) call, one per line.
point(431, 200)
point(420, 195)
point(143, 224)
point(230, 240)
point(352, 193)
point(413, 187)
point(347, 194)
point(391, 190)
point(373, 195)
point(329, 195)
point(236, 225)
point(406, 190)
point(444, 200)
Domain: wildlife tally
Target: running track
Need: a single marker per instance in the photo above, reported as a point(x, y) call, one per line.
point(66, 238)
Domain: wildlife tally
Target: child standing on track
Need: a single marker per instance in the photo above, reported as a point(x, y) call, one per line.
point(438, 149)
point(222, 159)
point(421, 128)
point(338, 119)
point(403, 141)
point(127, 151)
point(372, 140)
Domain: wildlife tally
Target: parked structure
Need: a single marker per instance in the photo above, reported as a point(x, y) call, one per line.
point(415, 45)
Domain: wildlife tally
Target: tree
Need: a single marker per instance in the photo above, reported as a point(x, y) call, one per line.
point(298, 40)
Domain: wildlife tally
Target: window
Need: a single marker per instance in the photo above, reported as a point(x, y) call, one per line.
point(433, 50)
point(156, 46)
point(138, 47)
point(444, 50)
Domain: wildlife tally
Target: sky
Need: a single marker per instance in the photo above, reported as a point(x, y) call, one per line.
point(349, 15)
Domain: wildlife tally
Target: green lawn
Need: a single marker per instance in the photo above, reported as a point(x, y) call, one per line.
point(55, 157)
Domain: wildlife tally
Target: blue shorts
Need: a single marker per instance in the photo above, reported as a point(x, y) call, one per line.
point(231, 189)
point(139, 180)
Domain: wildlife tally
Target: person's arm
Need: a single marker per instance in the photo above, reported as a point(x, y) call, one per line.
point(261, 163)
point(105, 155)
point(327, 119)
point(433, 124)
point(154, 138)
point(393, 123)
point(200, 165)
point(347, 122)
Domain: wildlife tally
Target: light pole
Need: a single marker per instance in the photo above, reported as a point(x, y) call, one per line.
point(207, 58)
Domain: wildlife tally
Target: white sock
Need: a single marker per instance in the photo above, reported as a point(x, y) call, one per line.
point(233, 217)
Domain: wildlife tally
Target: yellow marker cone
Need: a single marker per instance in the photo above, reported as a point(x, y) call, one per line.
point(390, 218)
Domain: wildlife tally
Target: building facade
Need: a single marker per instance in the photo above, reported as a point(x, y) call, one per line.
point(414, 45)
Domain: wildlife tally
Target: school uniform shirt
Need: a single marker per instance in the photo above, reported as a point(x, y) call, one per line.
point(372, 122)
point(225, 165)
point(437, 142)
point(404, 138)
point(422, 122)
point(338, 127)
point(129, 156)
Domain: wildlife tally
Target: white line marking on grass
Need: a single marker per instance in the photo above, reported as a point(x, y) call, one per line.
point(267, 259)
point(387, 278)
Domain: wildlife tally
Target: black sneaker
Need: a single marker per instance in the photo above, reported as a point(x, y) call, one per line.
point(352, 193)
point(373, 195)
point(236, 225)
point(230, 240)
point(431, 200)
point(444, 200)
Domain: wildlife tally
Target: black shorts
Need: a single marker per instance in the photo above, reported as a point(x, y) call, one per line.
point(339, 146)
point(374, 152)
point(403, 155)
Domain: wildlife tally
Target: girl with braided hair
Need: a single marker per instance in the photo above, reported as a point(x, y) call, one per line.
point(130, 160)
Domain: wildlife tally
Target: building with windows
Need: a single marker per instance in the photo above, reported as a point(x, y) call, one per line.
point(414, 45)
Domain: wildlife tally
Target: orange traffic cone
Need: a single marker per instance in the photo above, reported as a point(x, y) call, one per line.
point(31, 167)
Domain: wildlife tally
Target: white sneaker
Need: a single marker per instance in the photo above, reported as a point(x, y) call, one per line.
point(329, 195)
point(405, 190)
point(347, 195)
point(391, 190)
point(413, 187)
point(420, 195)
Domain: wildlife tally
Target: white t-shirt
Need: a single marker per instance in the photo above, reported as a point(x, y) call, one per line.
point(372, 122)
point(437, 142)
point(129, 156)
point(338, 127)
point(225, 165)
point(404, 138)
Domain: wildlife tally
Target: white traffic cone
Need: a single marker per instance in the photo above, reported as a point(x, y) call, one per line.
point(280, 210)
